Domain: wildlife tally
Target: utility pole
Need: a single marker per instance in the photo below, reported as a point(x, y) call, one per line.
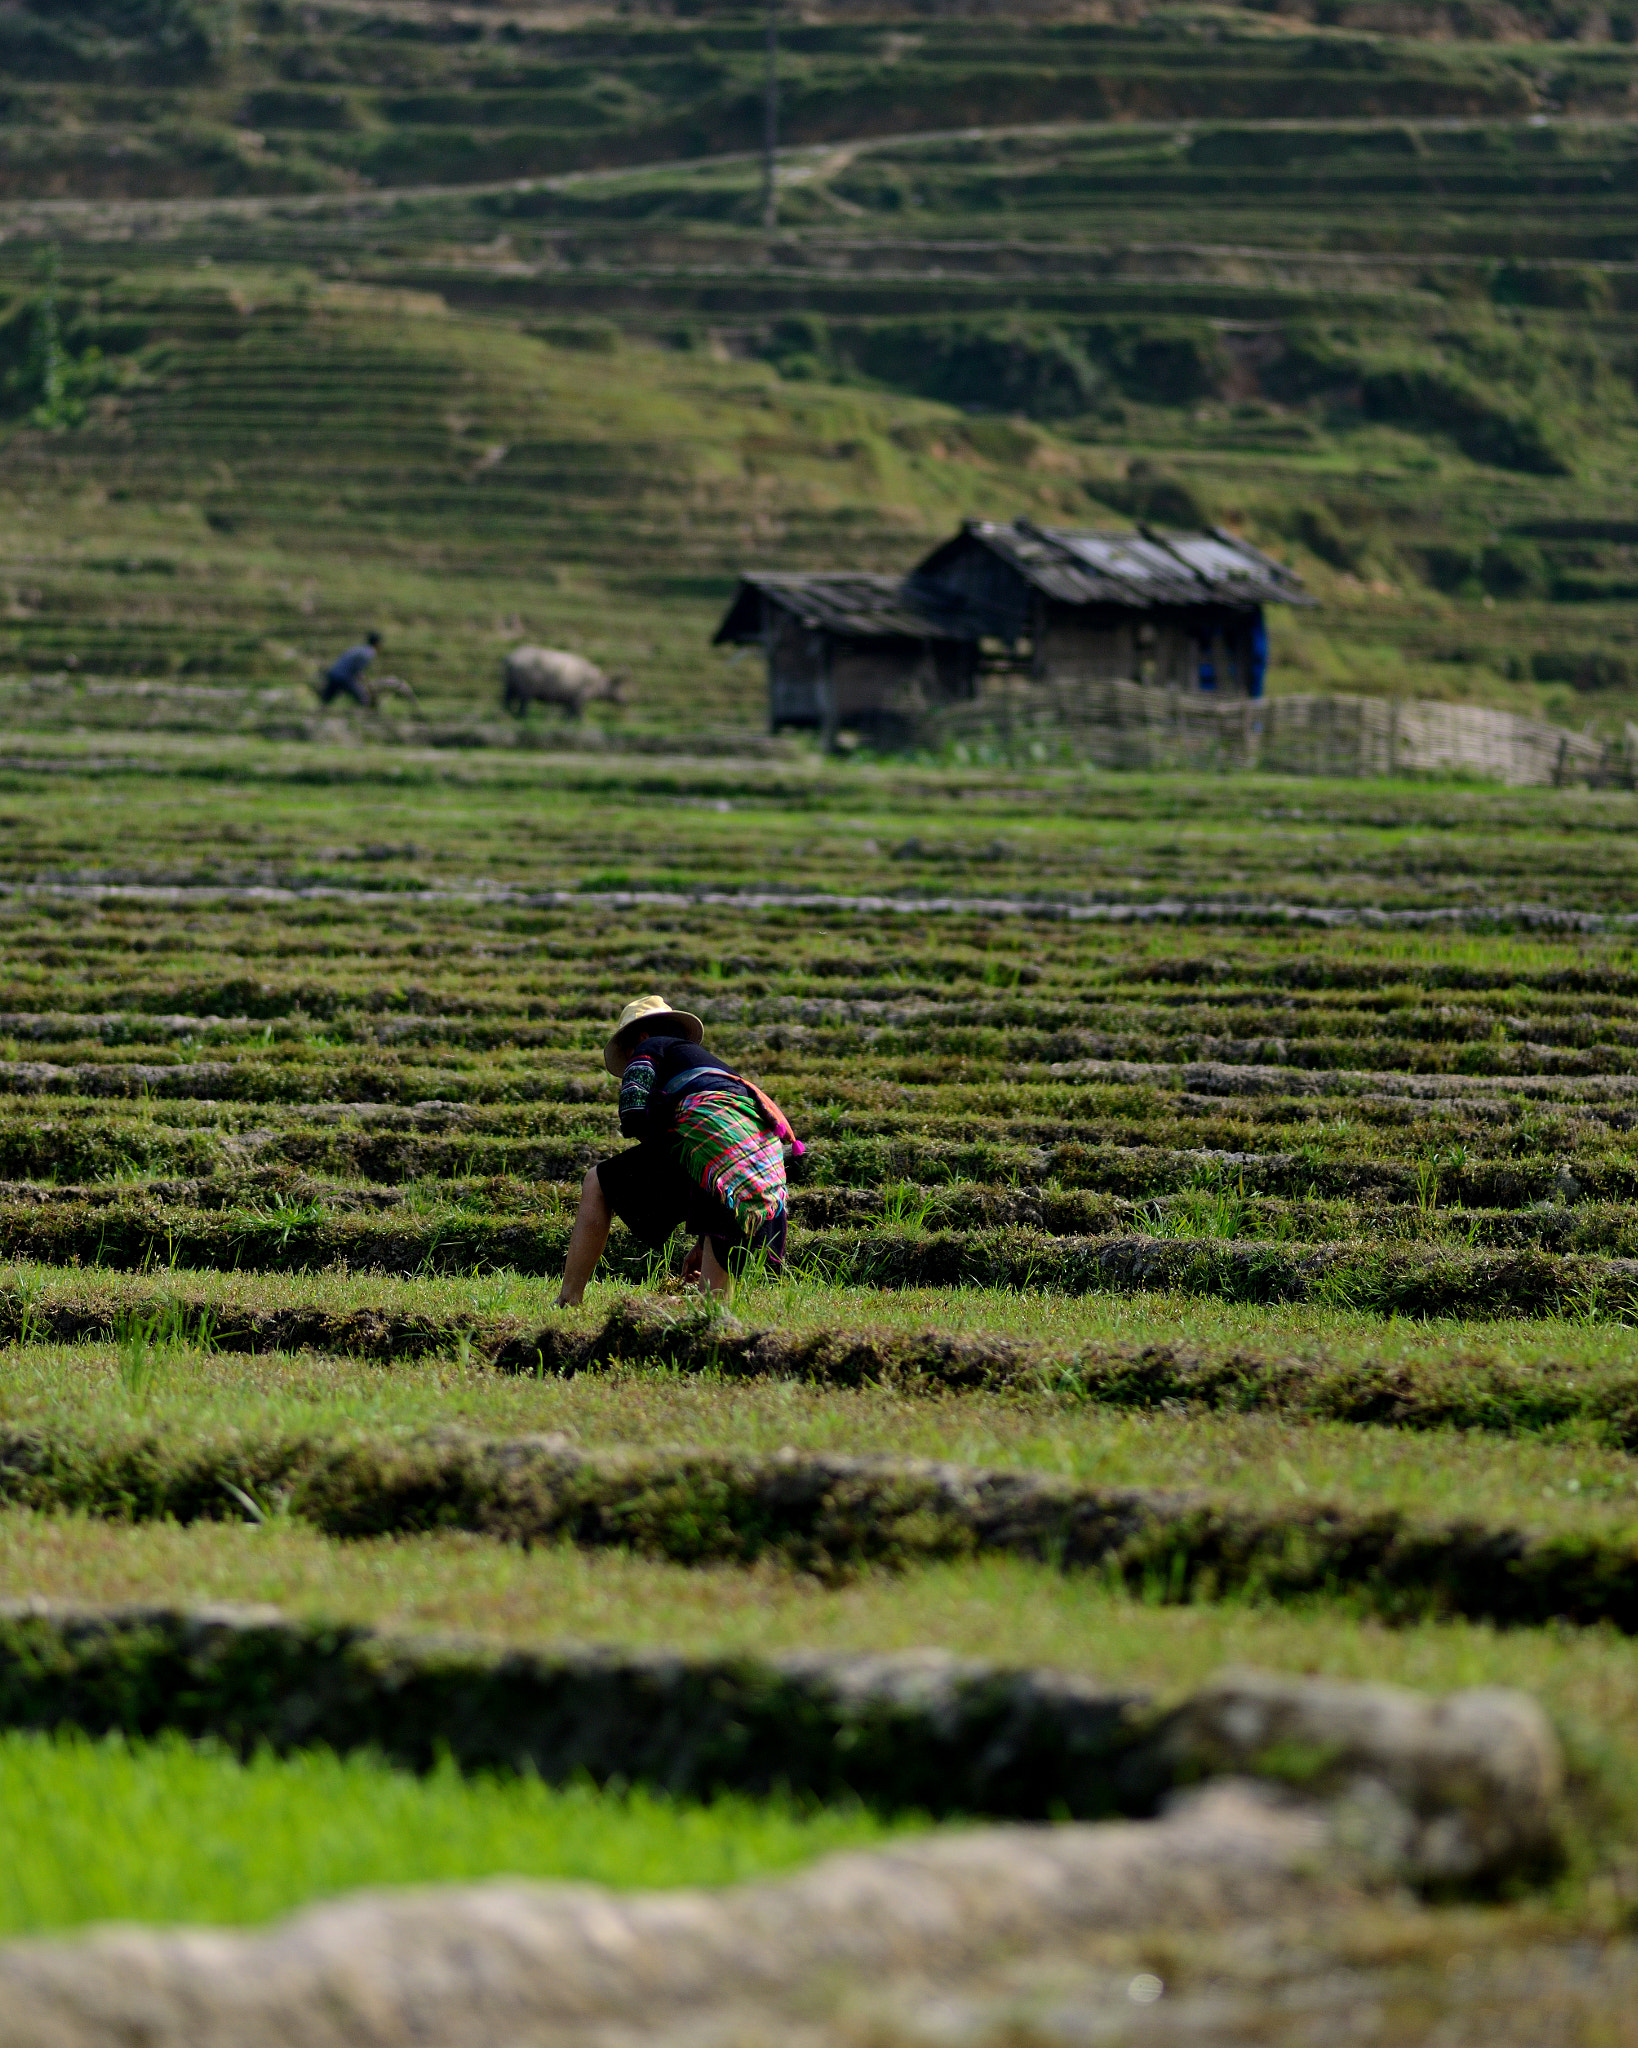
point(48, 346)
point(770, 125)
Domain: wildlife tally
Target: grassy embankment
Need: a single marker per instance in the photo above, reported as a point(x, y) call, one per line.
point(304, 1071)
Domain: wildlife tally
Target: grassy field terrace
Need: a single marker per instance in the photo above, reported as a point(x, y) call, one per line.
point(1265, 1166)
point(1217, 1237)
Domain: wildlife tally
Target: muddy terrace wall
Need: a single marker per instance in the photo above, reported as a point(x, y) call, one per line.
point(1125, 725)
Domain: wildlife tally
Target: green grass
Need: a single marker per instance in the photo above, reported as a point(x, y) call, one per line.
point(384, 827)
point(95, 1395)
point(997, 1609)
point(326, 1388)
point(165, 1831)
point(1314, 1332)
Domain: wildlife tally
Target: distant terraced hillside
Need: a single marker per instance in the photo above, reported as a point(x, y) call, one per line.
point(270, 462)
point(463, 319)
point(174, 96)
point(267, 475)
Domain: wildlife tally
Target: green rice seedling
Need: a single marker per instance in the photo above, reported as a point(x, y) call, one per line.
point(277, 1220)
point(1592, 1304)
point(146, 1341)
point(258, 1510)
point(140, 1354)
point(167, 1831)
point(657, 1268)
point(905, 1207)
point(1226, 1217)
point(1202, 1212)
point(26, 1288)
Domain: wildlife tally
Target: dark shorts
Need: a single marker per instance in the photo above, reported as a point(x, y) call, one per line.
point(653, 1196)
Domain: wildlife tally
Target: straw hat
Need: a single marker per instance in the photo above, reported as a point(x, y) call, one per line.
point(659, 1017)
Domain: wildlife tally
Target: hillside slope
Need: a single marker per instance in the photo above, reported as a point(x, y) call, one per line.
point(402, 352)
point(191, 96)
point(271, 474)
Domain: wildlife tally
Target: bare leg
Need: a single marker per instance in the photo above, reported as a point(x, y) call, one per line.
point(592, 1224)
point(713, 1275)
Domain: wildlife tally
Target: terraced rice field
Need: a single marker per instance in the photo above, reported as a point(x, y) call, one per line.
point(470, 330)
point(1217, 1241)
point(1230, 1186)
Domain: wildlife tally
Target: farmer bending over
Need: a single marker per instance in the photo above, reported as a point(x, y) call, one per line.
point(710, 1153)
point(345, 675)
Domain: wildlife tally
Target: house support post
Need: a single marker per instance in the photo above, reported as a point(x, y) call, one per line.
point(827, 700)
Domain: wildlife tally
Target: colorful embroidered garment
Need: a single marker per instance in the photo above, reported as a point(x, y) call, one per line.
point(719, 1140)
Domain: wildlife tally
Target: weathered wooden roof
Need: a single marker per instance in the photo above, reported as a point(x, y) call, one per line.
point(856, 606)
point(1140, 569)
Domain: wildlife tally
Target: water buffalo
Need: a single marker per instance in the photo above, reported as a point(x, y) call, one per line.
point(546, 675)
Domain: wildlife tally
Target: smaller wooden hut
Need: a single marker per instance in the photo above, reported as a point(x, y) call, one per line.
point(856, 653)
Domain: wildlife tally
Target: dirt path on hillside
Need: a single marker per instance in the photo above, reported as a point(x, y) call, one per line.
point(808, 163)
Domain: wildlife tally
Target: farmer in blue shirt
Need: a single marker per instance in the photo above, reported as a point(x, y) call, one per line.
point(345, 675)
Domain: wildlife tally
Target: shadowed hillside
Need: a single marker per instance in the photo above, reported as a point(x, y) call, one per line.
point(175, 96)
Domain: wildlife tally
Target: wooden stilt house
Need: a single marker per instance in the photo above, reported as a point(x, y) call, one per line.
point(1000, 608)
